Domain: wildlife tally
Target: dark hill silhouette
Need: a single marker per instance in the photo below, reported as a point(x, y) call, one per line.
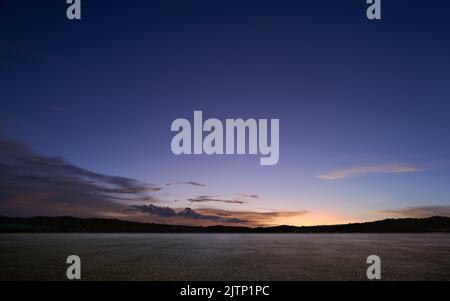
point(67, 224)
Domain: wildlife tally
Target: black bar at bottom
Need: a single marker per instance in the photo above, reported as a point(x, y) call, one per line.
point(223, 290)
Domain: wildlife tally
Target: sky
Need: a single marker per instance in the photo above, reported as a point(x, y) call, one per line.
point(86, 110)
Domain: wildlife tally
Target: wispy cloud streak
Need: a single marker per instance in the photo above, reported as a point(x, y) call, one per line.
point(418, 212)
point(206, 198)
point(369, 169)
point(246, 195)
point(193, 183)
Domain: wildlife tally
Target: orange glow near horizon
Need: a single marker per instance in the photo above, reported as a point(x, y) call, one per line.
point(315, 219)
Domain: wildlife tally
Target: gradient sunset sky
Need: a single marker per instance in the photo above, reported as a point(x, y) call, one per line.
point(364, 109)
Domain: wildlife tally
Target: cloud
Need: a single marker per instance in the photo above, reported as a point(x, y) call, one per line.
point(148, 199)
point(33, 184)
point(369, 169)
point(418, 212)
point(267, 218)
point(193, 183)
point(246, 195)
point(206, 198)
point(157, 210)
point(186, 213)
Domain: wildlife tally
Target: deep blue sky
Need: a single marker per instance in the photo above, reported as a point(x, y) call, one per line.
point(102, 93)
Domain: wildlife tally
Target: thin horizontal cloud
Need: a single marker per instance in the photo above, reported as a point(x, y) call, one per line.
point(206, 198)
point(255, 218)
point(417, 212)
point(369, 169)
point(193, 183)
point(246, 195)
point(148, 199)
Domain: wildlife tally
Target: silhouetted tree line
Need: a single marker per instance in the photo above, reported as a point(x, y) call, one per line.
point(67, 224)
